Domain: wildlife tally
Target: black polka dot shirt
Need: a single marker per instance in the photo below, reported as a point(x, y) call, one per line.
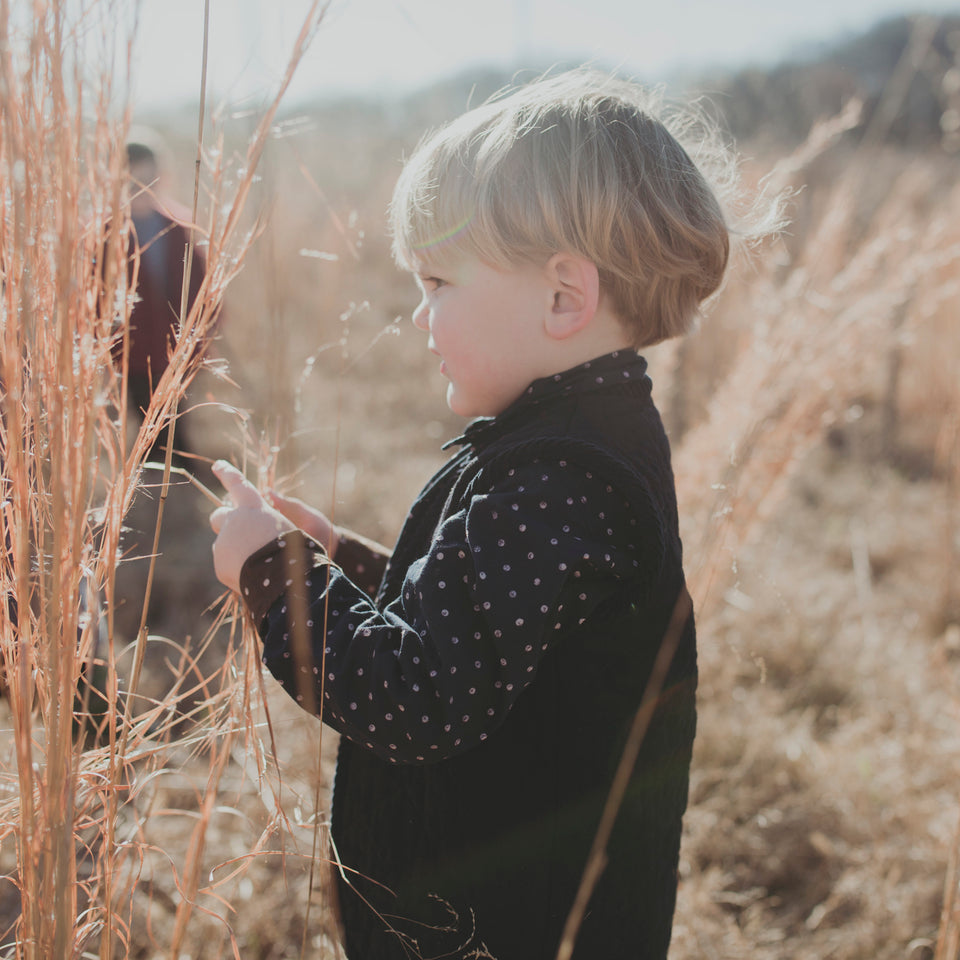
point(437, 670)
point(515, 566)
point(485, 674)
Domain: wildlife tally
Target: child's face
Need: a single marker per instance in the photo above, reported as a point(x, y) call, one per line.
point(486, 325)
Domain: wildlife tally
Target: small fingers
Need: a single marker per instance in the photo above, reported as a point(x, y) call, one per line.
point(217, 518)
point(278, 499)
point(311, 521)
point(290, 507)
point(240, 490)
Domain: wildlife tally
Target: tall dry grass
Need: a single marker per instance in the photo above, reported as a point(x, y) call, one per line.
point(85, 745)
point(818, 646)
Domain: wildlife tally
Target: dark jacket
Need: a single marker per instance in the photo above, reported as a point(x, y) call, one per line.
point(162, 237)
point(485, 694)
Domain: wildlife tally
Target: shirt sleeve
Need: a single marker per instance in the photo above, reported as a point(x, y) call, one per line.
point(362, 560)
point(514, 571)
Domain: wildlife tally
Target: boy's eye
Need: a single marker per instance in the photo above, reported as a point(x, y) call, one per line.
point(432, 283)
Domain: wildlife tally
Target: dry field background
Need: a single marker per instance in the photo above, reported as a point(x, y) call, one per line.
point(815, 418)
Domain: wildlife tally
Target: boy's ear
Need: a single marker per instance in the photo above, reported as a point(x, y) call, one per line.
point(576, 294)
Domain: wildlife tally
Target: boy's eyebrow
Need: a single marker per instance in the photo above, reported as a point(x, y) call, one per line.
point(424, 269)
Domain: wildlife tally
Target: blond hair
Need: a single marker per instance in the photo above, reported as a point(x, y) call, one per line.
point(578, 163)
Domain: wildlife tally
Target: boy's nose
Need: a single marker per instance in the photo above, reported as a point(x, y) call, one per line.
point(420, 316)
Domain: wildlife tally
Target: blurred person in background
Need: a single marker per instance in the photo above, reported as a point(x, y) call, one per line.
point(161, 234)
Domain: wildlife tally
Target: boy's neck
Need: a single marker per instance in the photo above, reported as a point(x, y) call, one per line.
point(605, 334)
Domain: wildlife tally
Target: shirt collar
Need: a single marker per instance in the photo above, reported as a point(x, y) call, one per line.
point(601, 373)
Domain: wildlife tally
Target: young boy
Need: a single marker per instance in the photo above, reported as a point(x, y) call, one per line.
point(484, 675)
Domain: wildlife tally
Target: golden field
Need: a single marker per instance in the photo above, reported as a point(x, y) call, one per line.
point(815, 421)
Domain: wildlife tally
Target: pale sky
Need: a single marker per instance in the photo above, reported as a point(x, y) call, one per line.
point(393, 46)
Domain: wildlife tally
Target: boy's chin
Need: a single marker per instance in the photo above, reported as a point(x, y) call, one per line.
point(464, 406)
point(480, 402)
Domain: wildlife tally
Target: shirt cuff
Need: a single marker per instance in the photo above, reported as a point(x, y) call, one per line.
point(278, 568)
point(363, 561)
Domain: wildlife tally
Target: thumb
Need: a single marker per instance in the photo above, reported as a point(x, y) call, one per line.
point(241, 491)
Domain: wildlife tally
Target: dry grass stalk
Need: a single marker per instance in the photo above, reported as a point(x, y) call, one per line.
point(803, 365)
point(948, 941)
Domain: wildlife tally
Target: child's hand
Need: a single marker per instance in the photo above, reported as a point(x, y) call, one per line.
point(304, 517)
point(243, 525)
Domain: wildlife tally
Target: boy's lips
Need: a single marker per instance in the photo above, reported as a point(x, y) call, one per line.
point(436, 353)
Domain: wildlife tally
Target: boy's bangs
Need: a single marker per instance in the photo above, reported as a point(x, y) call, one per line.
point(433, 217)
point(441, 240)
